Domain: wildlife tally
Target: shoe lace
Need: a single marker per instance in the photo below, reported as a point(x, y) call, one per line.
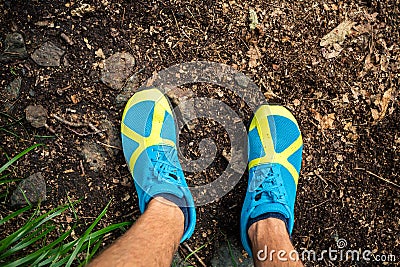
point(162, 166)
point(268, 185)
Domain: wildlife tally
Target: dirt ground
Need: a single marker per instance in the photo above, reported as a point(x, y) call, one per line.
point(344, 94)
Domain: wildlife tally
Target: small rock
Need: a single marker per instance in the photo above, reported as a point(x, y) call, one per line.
point(36, 115)
point(117, 68)
point(178, 94)
point(94, 155)
point(67, 39)
point(12, 90)
point(48, 55)
point(33, 188)
point(14, 48)
point(129, 89)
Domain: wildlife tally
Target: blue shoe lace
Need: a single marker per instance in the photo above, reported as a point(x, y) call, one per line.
point(162, 167)
point(267, 185)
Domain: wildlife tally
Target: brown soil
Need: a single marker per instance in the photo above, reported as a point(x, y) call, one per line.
point(347, 106)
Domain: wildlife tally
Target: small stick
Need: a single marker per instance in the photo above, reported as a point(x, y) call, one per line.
point(379, 177)
point(320, 204)
point(320, 177)
point(195, 254)
point(73, 124)
point(110, 146)
point(82, 168)
point(96, 131)
point(78, 125)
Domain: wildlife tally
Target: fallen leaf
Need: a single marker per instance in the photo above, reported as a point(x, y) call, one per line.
point(68, 218)
point(296, 102)
point(254, 56)
point(275, 66)
point(363, 28)
point(83, 9)
point(384, 63)
point(375, 114)
point(338, 34)
point(100, 53)
point(383, 103)
point(345, 98)
point(74, 99)
point(277, 11)
point(326, 121)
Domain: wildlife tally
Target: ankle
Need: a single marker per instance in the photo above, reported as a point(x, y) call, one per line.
point(268, 227)
point(166, 208)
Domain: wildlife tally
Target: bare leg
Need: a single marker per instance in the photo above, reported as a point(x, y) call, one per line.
point(152, 240)
point(268, 237)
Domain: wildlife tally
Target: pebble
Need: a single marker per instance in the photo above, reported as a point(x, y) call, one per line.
point(13, 89)
point(117, 68)
point(14, 48)
point(94, 155)
point(34, 189)
point(36, 115)
point(48, 55)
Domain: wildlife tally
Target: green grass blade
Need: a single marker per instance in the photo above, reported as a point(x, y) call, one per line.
point(87, 232)
point(31, 257)
point(39, 259)
point(28, 241)
point(14, 214)
point(17, 157)
point(198, 249)
point(91, 254)
point(31, 225)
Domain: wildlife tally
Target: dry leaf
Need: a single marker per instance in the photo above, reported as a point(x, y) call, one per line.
point(74, 99)
point(68, 218)
point(337, 35)
point(384, 62)
point(383, 103)
point(254, 56)
point(83, 9)
point(345, 98)
point(375, 114)
point(325, 122)
point(100, 53)
point(363, 28)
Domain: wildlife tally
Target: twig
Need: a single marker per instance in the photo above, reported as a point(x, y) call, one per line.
point(82, 168)
point(195, 255)
point(78, 125)
point(320, 177)
point(379, 177)
point(73, 124)
point(320, 204)
point(106, 145)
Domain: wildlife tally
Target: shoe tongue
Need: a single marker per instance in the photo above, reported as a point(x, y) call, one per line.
point(269, 207)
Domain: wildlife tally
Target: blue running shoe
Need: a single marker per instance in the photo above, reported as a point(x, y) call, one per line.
point(275, 154)
point(148, 134)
